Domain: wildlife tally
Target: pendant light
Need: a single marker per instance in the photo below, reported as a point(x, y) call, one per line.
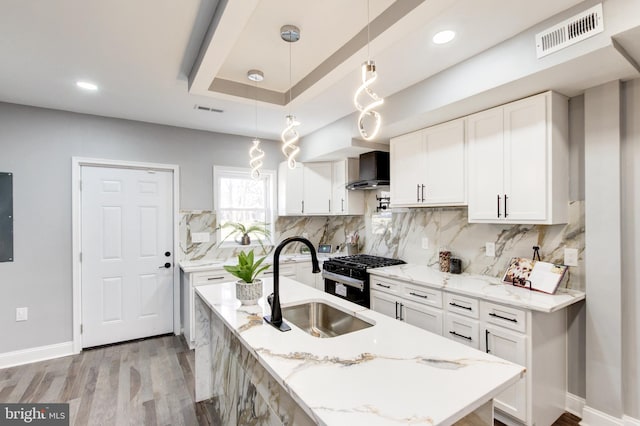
point(255, 153)
point(368, 76)
point(289, 136)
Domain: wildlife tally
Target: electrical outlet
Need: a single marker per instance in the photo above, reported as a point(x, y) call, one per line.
point(425, 243)
point(22, 314)
point(490, 249)
point(571, 257)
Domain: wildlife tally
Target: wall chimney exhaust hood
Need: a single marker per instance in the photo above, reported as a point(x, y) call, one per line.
point(374, 171)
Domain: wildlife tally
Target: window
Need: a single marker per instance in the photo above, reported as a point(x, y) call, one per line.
point(241, 199)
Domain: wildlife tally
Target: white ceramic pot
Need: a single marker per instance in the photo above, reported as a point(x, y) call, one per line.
point(249, 293)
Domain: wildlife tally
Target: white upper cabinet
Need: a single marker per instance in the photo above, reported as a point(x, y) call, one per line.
point(428, 167)
point(343, 201)
point(319, 189)
point(518, 162)
point(290, 189)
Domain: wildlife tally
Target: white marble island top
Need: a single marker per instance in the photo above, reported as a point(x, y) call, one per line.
point(482, 287)
point(389, 374)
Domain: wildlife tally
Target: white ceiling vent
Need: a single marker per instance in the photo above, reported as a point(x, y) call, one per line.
point(570, 31)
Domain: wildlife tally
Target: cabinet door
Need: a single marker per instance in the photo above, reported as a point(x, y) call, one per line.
point(525, 159)
point(339, 192)
point(485, 158)
point(290, 189)
point(462, 330)
point(407, 169)
point(385, 304)
point(445, 178)
point(317, 188)
point(427, 318)
point(511, 346)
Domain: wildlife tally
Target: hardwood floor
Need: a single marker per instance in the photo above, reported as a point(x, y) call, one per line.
point(145, 382)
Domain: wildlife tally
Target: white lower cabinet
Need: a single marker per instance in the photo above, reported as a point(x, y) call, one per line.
point(512, 346)
point(535, 340)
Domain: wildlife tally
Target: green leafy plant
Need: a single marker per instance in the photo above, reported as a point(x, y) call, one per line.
point(243, 231)
point(246, 269)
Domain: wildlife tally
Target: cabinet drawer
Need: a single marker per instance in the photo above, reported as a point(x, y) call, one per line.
point(283, 271)
point(426, 318)
point(213, 278)
point(462, 329)
point(504, 316)
point(385, 285)
point(462, 305)
point(424, 295)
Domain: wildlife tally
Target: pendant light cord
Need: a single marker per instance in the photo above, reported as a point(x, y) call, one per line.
point(368, 31)
point(290, 72)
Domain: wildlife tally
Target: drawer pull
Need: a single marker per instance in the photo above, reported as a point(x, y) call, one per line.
point(486, 340)
point(214, 278)
point(419, 295)
point(268, 273)
point(501, 317)
point(383, 286)
point(460, 335)
point(460, 306)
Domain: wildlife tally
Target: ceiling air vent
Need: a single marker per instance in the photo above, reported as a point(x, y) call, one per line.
point(570, 31)
point(206, 108)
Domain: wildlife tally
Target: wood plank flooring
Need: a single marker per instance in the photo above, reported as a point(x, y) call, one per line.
point(145, 382)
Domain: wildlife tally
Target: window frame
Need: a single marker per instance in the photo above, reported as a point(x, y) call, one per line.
point(270, 212)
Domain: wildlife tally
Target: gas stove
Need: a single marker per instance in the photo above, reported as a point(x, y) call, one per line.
point(347, 276)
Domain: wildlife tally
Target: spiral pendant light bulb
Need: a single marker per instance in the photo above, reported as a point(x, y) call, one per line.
point(255, 159)
point(289, 138)
point(369, 75)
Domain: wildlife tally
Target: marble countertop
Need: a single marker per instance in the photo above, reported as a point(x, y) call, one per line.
point(391, 373)
point(205, 265)
point(481, 286)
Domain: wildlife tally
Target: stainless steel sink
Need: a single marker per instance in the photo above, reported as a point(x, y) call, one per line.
point(322, 320)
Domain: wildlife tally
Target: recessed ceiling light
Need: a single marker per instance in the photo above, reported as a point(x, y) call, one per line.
point(444, 37)
point(86, 85)
point(255, 75)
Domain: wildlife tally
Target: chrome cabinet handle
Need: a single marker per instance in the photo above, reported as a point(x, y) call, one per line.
point(419, 295)
point(461, 335)
point(302, 206)
point(460, 306)
point(501, 317)
point(343, 204)
point(329, 204)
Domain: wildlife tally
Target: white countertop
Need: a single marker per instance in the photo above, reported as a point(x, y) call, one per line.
point(391, 373)
point(205, 265)
point(481, 286)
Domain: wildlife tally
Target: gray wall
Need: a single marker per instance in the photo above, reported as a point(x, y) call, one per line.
point(37, 145)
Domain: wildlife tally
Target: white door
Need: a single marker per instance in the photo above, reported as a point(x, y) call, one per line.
point(407, 162)
point(525, 142)
point(485, 145)
point(445, 168)
point(317, 188)
point(127, 254)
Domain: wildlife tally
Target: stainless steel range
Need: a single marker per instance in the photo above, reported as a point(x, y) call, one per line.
point(347, 276)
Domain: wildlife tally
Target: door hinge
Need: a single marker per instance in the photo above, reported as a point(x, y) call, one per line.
point(80, 255)
point(81, 328)
point(80, 182)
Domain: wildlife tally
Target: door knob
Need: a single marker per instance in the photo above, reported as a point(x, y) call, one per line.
point(166, 265)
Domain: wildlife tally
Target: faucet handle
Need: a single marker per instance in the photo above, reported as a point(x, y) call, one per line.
point(270, 300)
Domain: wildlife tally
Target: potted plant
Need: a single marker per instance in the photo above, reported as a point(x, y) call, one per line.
point(242, 232)
point(248, 288)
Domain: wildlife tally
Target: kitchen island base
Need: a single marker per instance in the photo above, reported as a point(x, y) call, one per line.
point(237, 390)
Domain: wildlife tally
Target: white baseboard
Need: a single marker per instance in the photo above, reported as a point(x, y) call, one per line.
point(593, 417)
point(41, 353)
point(630, 421)
point(574, 404)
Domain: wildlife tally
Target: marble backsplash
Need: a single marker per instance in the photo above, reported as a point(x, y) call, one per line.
point(319, 229)
point(400, 234)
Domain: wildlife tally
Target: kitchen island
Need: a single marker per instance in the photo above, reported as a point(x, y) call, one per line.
point(390, 373)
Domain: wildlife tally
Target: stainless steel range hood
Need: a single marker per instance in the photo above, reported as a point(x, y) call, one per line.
point(374, 171)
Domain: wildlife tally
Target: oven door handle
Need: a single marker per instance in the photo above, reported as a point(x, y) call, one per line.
point(352, 282)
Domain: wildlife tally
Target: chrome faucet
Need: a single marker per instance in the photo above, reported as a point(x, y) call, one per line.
point(275, 319)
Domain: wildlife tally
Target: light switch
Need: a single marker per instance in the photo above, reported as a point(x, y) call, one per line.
point(22, 314)
point(490, 249)
point(200, 237)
